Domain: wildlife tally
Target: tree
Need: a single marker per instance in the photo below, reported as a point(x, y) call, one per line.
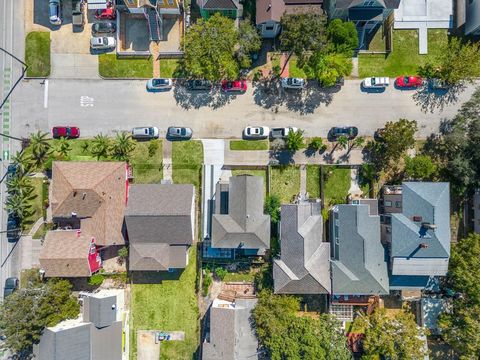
point(63, 147)
point(397, 138)
point(100, 146)
point(455, 62)
point(40, 147)
point(22, 162)
point(122, 146)
point(420, 167)
point(356, 143)
point(294, 141)
point(272, 208)
point(249, 42)
point(25, 313)
point(342, 142)
point(395, 339)
point(18, 205)
point(342, 35)
point(317, 144)
point(210, 47)
point(327, 67)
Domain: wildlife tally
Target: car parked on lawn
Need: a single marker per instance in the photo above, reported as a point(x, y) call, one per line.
point(411, 82)
point(104, 28)
point(282, 132)
point(105, 14)
point(55, 12)
point(177, 132)
point(11, 284)
point(376, 82)
point(293, 83)
point(159, 84)
point(145, 133)
point(336, 132)
point(234, 86)
point(69, 132)
point(102, 42)
point(256, 132)
point(198, 85)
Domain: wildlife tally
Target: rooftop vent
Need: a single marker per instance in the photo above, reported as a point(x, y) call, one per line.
point(423, 246)
point(269, 7)
point(429, 226)
point(417, 218)
point(84, 195)
point(74, 214)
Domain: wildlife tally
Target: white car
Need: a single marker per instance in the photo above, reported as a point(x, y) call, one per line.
point(375, 82)
point(256, 132)
point(102, 42)
point(159, 84)
point(293, 83)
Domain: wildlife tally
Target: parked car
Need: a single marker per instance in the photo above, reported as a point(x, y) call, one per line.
point(293, 83)
point(103, 42)
point(105, 14)
point(145, 133)
point(375, 82)
point(176, 132)
point(55, 12)
point(77, 13)
point(234, 86)
point(11, 171)
point(350, 132)
point(13, 228)
point(11, 284)
point(409, 81)
point(282, 132)
point(104, 28)
point(69, 132)
point(256, 132)
point(437, 84)
point(198, 85)
point(159, 84)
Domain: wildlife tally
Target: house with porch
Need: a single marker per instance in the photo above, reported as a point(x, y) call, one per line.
point(228, 8)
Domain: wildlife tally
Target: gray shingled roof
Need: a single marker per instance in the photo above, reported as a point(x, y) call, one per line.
point(101, 311)
point(431, 201)
point(245, 224)
point(220, 5)
point(358, 266)
point(304, 265)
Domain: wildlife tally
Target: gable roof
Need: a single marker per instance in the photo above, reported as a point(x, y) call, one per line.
point(65, 254)
point(304, 265)
point(100, 310)
point(269, 10)
point(156, 257)
point(358, 263)
point(220, 5)
point(430, 201)
point(96, 192)
point(245, 225)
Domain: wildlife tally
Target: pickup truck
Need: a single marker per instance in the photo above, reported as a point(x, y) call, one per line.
point(77, 13)
point(282, 132)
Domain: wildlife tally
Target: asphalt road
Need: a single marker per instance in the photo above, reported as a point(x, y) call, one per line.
point(109, 105)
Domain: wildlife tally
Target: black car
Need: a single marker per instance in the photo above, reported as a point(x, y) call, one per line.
point(11, 171)
point(13, 228)
point(350, 132)
point(104, 28)
point(198, 85)
point(11, 284)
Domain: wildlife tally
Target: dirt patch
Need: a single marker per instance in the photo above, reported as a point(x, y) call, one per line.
point(147, 348)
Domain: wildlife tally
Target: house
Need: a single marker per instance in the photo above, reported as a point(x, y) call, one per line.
point(419, 235)
point(472, 17)
point(87, 201)
point(367, 15)
point(238, 221)
point(95, 335)
point(304, 263)
point(160, 220)
point(229, 8)
point(231, 335)
point(269, 13)
point(476, 211)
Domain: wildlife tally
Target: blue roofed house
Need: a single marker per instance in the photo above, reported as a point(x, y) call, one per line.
point(417, 233)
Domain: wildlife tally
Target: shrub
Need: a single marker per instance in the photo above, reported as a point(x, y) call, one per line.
point(123, 252)
point(207, 281)
point(221, 273)
point(317, 144)
point(153, 147)
point(272, 208)
point(96, 280)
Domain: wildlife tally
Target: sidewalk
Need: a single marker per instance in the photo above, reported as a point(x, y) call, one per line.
point(167, 160)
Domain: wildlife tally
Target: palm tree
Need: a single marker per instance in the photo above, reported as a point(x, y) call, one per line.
point(63, 147)
point(22, 162)
point(357, 142)
point(18, 205)
point(342, 142)
point(123, 146)
point(84, 147)
point(294, 141)
point(40, 147)
point(20, 185)
point(100, 146)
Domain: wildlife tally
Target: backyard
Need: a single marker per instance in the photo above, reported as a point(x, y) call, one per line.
point(248, 144)
point(187, 160)
point(109, 66)
point(336, 184)
point(285, 182)
point(37, 54)
point(167, 304)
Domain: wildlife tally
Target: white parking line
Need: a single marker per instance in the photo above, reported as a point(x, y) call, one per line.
point(45, 95)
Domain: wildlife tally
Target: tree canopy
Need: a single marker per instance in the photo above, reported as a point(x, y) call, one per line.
point(327, 67)
point(342, 35)
point(249, 41)
point(420, 167)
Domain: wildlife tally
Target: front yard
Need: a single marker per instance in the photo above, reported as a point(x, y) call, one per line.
point(109, 66)
point(147, 162)
point(249, 145)
point(36, 201)
point(37, 54)
point(187, 160)
point(313, 181)
point(336, 184)
point(170, 68)
point(285, 182)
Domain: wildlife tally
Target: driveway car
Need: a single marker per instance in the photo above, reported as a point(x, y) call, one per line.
point(176, 132)
point(55, 12)
point(409, 81)
point(234, 86)
point(198, 85)
point(256, 132)
point(145, 133)
point(282, 132)
point(159, 84)
point(103, 42)
point(106, 14)
point(11, 284)
point(375, 82)
point(77, 13)
point(350, 132)
point(293, 83)
point(103, 28)
point(69, 132)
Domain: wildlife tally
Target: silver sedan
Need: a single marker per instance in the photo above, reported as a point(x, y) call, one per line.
point(175, 132)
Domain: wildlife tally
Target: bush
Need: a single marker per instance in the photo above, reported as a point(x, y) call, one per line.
point(317, 144)
point(272, 208)
point(123, 252)
point(221, 273)
point(96, 280)
point(207, 281)
point(153, 147)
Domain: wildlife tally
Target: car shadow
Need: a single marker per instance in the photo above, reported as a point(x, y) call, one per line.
point(101, 51)
point(213, 99)
point(157, 90)
point(430, 100)
point(372, 90)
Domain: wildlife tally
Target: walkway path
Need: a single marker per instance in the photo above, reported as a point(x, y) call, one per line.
point(286, 71)
point(167, 160)
point(303, 181)
point(354, 185)
point(155, 49)
point(354, 73)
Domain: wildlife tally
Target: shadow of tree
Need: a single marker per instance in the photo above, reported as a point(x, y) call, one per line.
point(431, 99)
point(283, 157)
point(213, 99)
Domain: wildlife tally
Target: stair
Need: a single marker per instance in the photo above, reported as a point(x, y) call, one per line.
point(153, 23)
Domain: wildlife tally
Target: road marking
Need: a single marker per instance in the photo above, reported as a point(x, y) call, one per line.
point(86, 101)
point(45, 95)
point(6, 155)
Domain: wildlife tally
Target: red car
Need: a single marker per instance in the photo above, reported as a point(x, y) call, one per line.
point(409, 81)
point(69, 132)
point(106, 14)
point(234, 86)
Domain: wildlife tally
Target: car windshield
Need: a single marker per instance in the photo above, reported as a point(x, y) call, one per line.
point(159, 82)
point(55, 131)
point(105, 40)
point(406, 80)
point(149, 131)
point(68, 131)
point(260, 131)
point(373, 81)
point(53, 11)
point(183, 131)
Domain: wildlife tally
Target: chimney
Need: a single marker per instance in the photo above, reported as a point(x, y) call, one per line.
point(423, 246)
point(74, 193)
point(84, 195)
point(269, 7)
point(74, 214)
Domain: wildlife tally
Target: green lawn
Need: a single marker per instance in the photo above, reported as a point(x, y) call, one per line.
point(313, 181)
point(187, 160)
point(377, 43)
point(404, 59)
point(239, 276)
point(109, 66)
point(248, 144)
point(147, 169)
point(261, 173)
point(170, 68)
point(285, 182)
point(294, 70)
point(37, 53)
point(170, 304)
point(336, 185)
point(36, 202)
